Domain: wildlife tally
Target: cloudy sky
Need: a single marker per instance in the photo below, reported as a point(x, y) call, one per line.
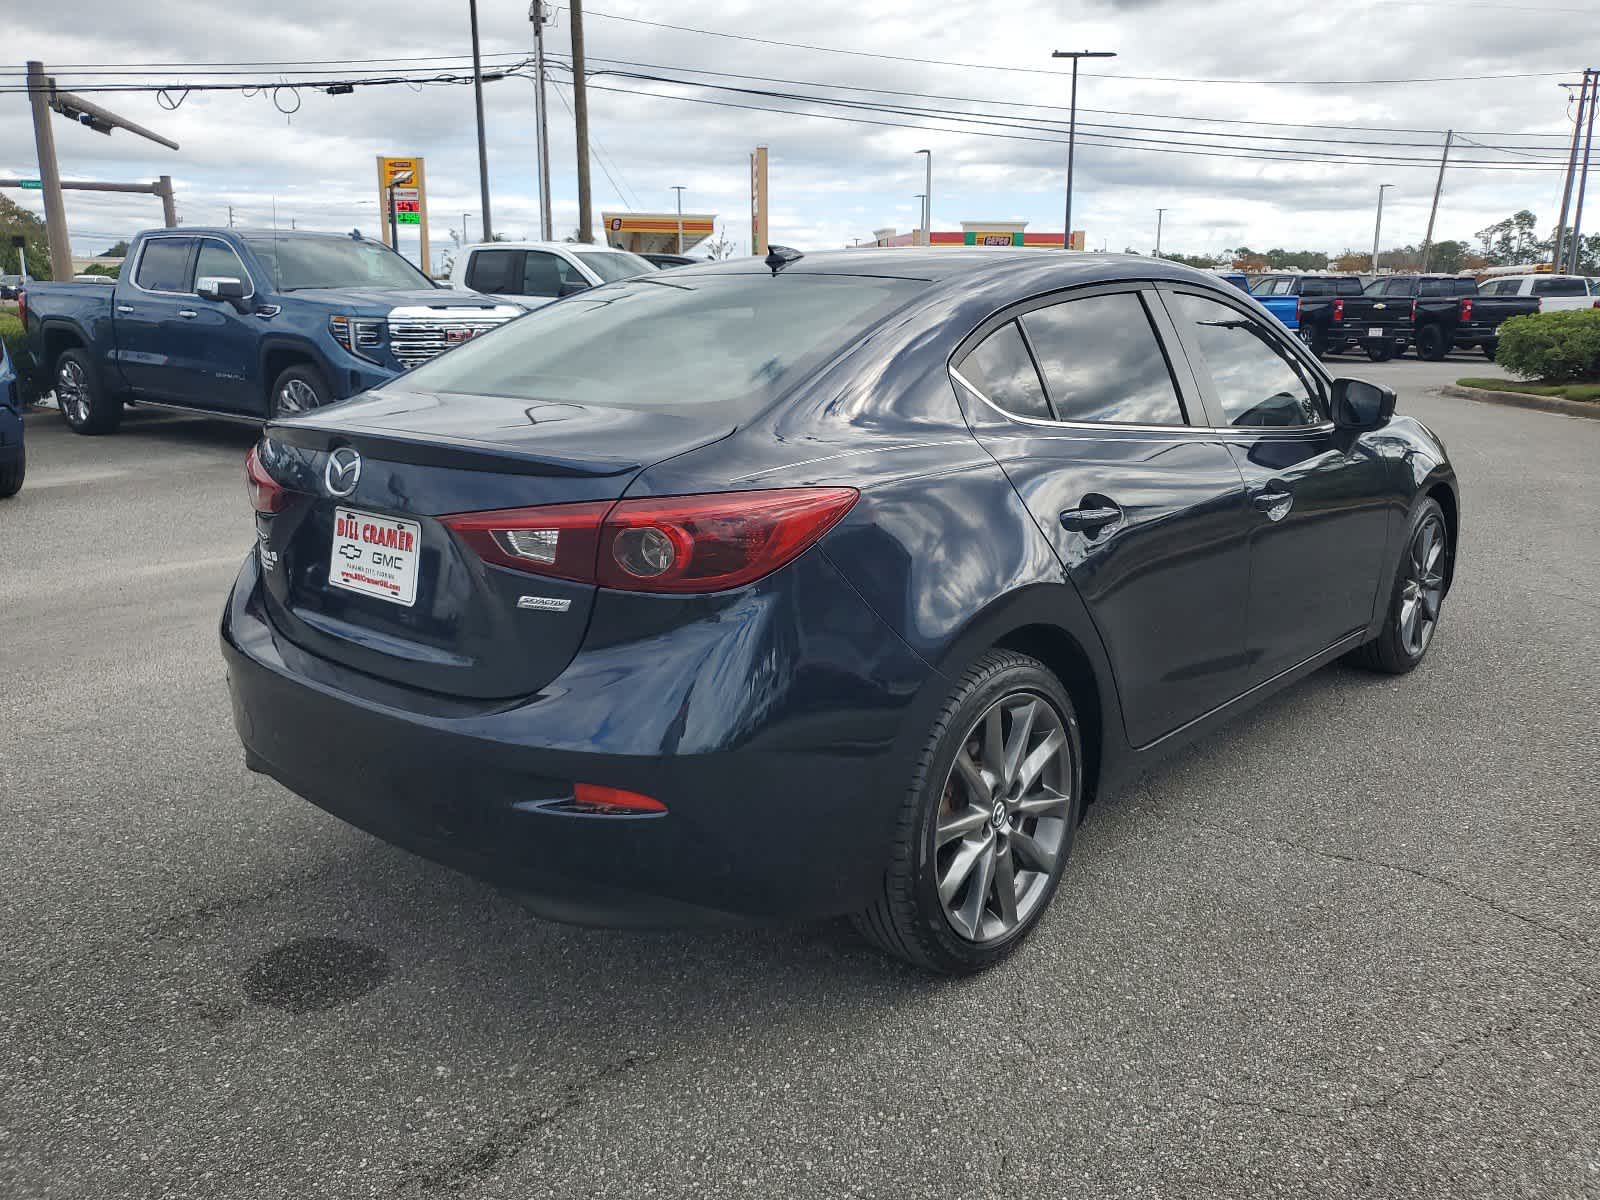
point(985, 104)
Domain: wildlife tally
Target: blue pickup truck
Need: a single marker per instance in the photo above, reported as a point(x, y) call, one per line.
point(1285, 308)
point(241, 324)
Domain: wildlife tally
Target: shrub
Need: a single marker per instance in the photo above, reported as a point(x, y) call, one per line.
point(11, 335)
point(1555, 347)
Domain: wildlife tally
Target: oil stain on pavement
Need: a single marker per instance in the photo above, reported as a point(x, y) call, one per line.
point(313, 974)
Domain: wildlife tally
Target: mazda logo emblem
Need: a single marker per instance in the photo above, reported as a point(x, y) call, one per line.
point(343, 471)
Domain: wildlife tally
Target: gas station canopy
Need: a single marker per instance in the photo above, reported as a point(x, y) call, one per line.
point(656, 233)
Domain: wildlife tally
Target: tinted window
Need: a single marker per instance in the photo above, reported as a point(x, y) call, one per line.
point(1257, 382)
point(1330, 287)
point(1002, 370)
point(495, 271)
point(612, 265)
point(164, 265)
point(1498, 287)
point(1558, 287)
point(544, 274)
point(668, 341)
point(1101, 361)
point(218, 259)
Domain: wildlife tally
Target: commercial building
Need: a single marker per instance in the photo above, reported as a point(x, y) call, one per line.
point(656, 233)
point(976, 233)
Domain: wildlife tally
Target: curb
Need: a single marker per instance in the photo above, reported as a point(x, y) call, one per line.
point(1554, 404)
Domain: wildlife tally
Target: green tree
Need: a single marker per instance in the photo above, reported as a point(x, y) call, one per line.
point(14, 219)
point(1449, 257)
point(1513, 241)
point(120, 250)
point(1203, 261)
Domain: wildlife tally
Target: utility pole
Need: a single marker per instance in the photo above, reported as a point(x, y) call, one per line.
point(169, 204)
point(1377, 226)
point(1438, 186)
point(1160, 212)
point(55, 210)
point(580, 116)
point(1592, 78)
point(679, 189)
point(1560, 255)
point(541, 132)
point(230, 216)
point(927, 201)
point(477, 95)
point(44, 98)
point(1072, 127)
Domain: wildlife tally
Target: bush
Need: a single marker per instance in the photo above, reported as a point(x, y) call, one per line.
point(11, 335)
point(1554, 347)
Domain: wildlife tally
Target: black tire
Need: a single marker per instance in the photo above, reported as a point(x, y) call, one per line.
point(13, 473)
point(1390, 652)
point(298, 389)
point(87, 406)
point(1380, 351)
point(1431, 344)
point(909, 920)
point(1491, 348)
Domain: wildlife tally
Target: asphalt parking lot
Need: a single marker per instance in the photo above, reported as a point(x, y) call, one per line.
point(1347, 948)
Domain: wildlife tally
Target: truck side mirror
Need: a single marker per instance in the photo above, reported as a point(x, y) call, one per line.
point(572, 287)
point(220, 287)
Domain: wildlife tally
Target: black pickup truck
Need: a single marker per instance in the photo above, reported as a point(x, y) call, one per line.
point(1318, 299)
point(1437, 312)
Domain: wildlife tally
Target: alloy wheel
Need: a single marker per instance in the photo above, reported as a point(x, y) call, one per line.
point(1422, 590)
point(1002, 820)
point(296, 396)
point(72, 392)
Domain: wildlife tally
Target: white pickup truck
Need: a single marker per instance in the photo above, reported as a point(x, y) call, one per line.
point(1555, 292)
point(532, 274)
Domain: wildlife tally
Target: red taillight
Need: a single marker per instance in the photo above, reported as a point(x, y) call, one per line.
point(1338, 308)
point(266, 494)
point(591, 797)
point(1466, 308)
point(679, 544)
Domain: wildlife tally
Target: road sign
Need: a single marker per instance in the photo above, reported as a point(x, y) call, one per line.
point(403, 184)
point(32, 185)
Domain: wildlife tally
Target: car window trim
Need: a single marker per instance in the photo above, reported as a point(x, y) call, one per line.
point(1295, 348)
point(194, 271)
point(1181, 380)
point(194, 249)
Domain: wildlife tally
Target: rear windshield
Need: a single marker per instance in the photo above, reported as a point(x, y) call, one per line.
point(669, 341)
point(1330, 287)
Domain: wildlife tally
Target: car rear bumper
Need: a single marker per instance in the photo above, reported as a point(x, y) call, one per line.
point(785, 811)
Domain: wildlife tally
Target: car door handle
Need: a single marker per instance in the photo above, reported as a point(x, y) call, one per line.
point(1091, 517)
point(188, 314)
point(124, 308)
point(1271, 498)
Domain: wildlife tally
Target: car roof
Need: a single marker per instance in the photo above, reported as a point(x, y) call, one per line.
point(569, 247)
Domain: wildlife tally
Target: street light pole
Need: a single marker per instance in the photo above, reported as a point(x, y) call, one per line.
point(1377, 226)
point(483, 146)
point(679, 189)
point(541, 126)
point(1160, 212)
point(1072, 127)
point(927, 201)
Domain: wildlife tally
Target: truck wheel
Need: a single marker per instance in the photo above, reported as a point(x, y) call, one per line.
point(1431, 344)
point(84, 403)
point(1491, 348)
point(1316, 339)
point(1380, 351)
point(11, 475)
point(298, 389)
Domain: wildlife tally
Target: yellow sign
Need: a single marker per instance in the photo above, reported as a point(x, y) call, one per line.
point(403, 187)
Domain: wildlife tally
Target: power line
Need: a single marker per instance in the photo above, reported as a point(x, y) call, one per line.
point(597, 151)
point(938, 62)
point(1258, 156)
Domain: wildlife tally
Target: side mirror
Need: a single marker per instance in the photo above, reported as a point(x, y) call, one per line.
point(220, 287)
point(1360, 406)
point(572, 287)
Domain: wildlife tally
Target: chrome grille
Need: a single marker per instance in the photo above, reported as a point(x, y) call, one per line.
point(416, 336)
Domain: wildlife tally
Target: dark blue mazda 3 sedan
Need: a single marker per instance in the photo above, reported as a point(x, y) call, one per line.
point(825, 584)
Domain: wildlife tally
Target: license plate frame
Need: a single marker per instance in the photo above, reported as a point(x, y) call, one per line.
point(1374, 332)
point(374, 555)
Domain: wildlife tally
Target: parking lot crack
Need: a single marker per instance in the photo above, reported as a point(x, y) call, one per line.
point(1541, 924)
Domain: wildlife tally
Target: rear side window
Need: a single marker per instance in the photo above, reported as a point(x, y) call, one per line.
point(495, 271)
point(1257, 382)
point(164, 265)
point(1498, 287)
point(1558, 287)
point(1002, 369)
point(1101, 361)
point(682, 340)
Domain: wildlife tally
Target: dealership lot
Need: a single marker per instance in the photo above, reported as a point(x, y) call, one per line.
point(1347, 945)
